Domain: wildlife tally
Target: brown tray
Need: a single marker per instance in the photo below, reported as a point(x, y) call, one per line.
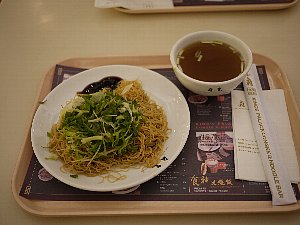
point(213, 8)
point(277, 79)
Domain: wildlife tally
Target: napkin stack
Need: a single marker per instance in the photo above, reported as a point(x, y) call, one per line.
point(248, 164)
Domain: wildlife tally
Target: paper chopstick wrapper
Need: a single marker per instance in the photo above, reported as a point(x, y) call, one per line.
point(247, 162)
point(275, 170)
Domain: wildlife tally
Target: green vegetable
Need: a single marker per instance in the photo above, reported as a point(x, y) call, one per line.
point(52, 157)
point(100, 125)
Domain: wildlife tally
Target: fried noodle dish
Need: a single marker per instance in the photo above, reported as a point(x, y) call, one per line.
point(109, 130)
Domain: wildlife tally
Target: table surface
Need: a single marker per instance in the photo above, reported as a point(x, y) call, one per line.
point(37, 34)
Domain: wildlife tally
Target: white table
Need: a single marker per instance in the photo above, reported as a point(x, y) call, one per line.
point(37, 34)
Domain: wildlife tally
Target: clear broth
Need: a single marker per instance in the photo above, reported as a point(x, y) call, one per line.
point(210, 61)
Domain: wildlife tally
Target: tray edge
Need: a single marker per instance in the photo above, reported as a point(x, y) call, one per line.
point(212, 8)
point(25, 203)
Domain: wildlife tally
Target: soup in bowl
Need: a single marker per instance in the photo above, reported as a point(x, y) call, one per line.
point(210, 63)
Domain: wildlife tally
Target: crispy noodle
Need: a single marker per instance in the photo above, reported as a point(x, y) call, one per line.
point(150, 140)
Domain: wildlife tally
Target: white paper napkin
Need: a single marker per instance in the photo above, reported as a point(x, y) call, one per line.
point(248, 165)
point(135, 4)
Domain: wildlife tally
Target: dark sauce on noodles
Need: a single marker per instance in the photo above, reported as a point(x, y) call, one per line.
point(110, 82)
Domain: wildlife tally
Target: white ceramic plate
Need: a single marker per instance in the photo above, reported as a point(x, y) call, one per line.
point(159, 88)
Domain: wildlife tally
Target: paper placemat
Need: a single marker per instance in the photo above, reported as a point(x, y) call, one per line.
point(186, 179)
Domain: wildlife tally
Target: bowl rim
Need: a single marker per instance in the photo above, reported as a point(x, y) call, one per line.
point(247, 51)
